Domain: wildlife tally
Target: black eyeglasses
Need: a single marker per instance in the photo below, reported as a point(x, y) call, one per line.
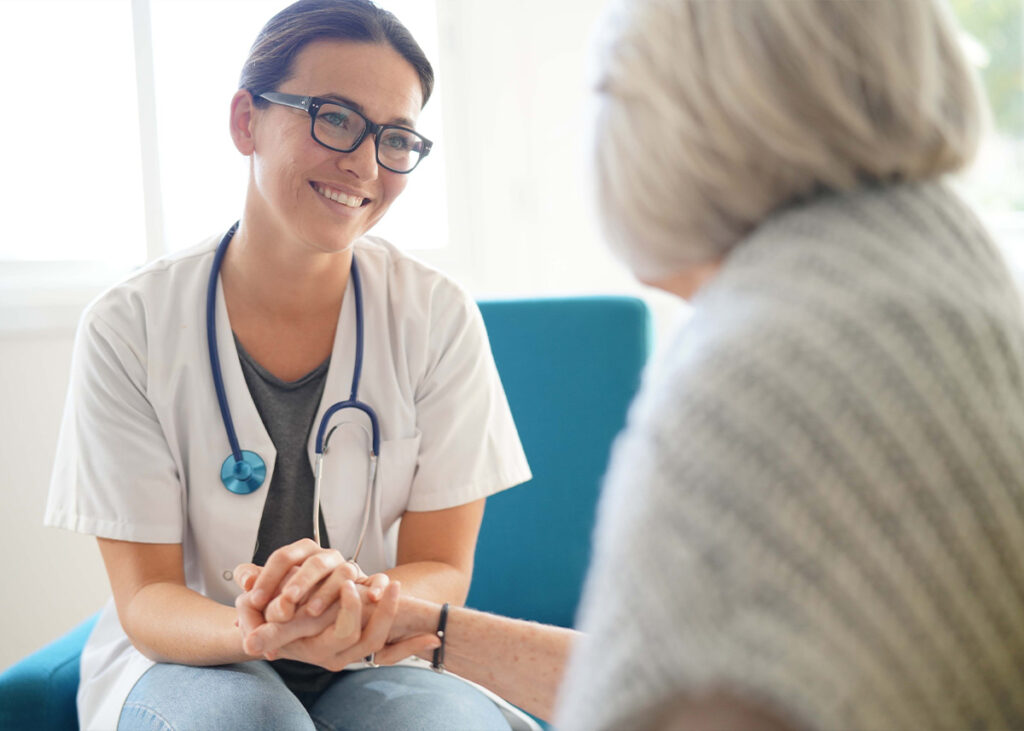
point(341, 128)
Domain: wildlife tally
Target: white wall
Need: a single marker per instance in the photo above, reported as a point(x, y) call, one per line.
point(54, 579)
point(514, 94)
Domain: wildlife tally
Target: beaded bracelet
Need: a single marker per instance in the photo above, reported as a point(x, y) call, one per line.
point(442, 623)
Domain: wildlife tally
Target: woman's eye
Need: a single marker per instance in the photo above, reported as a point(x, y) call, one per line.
point(398, 142)
point(335, 119)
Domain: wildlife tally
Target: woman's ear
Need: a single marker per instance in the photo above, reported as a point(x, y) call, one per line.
point(242, 118)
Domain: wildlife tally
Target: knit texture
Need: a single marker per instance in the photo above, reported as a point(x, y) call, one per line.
point(818, 501)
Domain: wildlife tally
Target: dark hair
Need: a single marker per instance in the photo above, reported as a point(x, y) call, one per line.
point(287, 33)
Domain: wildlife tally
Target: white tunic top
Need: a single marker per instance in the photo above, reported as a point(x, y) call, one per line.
point(142, 440)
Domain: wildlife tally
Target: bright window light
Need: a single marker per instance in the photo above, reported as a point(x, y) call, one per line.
point(71, 178)
point(994, 43)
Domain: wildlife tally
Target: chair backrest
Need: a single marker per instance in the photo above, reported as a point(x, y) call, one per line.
point(570, 368)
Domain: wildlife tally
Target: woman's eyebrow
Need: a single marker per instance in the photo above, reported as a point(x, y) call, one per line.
point(401, 121)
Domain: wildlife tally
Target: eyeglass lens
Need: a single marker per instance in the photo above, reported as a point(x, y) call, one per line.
point(339, 127)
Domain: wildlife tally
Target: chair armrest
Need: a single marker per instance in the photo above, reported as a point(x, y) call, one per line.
point(39, 691)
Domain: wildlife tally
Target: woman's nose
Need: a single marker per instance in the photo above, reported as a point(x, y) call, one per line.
point(362, 161)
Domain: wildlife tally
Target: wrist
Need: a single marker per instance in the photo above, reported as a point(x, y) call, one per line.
point(414, 617)
point(437, 661)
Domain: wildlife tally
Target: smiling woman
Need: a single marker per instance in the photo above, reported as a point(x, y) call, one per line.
point(297, 297)
point(191, 88)
point(299, 183)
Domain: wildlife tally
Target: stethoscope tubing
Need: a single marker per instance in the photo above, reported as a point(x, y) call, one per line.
point(249, 469)
point(353, 401)
point(211, 339)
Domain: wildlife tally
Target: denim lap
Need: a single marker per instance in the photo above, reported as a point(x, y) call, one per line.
point(401, 698)
point(252, 696)
point(185, 698)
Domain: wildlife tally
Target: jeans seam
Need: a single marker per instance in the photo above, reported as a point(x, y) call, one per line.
point(151, 711)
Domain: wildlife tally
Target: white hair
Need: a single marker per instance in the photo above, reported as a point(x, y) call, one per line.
point(711, 114)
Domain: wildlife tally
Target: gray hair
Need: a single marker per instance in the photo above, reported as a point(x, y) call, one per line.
point(712, 114)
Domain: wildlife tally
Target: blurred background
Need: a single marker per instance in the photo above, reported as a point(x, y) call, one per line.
point(114, 131)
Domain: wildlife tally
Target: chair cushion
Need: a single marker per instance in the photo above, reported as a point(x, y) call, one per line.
point(38, 692)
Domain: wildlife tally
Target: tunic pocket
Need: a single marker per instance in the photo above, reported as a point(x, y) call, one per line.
point(346, 481)
point(397, 466)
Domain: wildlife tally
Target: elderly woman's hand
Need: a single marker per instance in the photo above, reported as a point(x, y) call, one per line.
point(353, 628)
point(318, 613)
point(343, 619)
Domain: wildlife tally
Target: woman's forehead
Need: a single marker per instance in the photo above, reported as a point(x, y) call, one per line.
point(372, 75)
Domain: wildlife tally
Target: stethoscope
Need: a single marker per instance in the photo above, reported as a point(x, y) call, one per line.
point(243, 471)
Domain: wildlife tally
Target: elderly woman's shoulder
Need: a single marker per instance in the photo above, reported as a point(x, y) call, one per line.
point(844, 267)
point(890, 294)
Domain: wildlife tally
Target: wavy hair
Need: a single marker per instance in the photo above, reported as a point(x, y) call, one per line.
point(712, 114)
point(273, 53)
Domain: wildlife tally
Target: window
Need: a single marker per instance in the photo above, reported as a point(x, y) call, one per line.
point(994, 41)
point(90, 188)
point(71, 178)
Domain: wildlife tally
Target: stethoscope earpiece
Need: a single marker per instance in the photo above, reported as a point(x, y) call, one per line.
point(243, 476)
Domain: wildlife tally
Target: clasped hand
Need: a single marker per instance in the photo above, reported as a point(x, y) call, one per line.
point(308, 603)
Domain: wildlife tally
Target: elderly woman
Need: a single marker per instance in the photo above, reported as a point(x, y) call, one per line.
point(815, 516)
point(205, 389)
point(816, 512)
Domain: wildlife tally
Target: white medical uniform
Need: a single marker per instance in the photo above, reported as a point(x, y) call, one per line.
point(142, 440)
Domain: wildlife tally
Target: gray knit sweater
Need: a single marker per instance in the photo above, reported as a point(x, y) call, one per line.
point(819, 498)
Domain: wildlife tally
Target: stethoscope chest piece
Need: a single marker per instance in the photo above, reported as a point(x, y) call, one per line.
point(245, 476)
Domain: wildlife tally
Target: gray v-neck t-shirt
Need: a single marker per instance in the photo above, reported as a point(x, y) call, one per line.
point(288, 409)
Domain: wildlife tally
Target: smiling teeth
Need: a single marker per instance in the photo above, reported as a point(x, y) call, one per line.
point(338, 197)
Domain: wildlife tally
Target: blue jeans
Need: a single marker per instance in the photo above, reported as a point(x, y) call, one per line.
point(253, 697)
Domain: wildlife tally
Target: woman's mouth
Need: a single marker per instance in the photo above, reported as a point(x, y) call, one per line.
point(337, 196)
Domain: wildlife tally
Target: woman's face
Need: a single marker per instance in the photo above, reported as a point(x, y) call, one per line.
point(302, 190)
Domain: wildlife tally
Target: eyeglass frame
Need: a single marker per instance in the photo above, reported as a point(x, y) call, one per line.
point(312, 104)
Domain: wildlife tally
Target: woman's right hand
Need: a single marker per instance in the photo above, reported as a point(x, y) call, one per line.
point(282, 622)
point(302, 573)
point(356, 624)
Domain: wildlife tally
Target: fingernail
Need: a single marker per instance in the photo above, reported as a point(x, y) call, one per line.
point(259, 596)
point(248, 582)
point(293, 593)
point(316, 606)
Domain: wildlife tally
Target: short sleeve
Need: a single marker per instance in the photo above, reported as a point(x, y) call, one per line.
point(469, 446)
point(114, 475)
